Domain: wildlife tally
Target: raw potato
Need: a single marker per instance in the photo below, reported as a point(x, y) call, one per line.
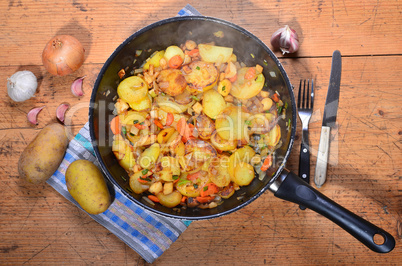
point(132, 89)
point(213, 103)
point(87, 186)
point(213, 54)
point(243, 88)
point(41, 158)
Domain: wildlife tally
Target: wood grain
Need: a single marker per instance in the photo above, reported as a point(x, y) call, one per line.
point(39, 226)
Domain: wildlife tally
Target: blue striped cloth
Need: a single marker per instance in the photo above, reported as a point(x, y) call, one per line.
point(147, 233)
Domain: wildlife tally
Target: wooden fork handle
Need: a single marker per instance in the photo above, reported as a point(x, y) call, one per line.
point(322, 157)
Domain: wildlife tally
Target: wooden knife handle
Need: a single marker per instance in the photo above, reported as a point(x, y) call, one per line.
point(322, 157)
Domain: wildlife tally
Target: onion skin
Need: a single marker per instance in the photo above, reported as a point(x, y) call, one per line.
point(63, 55)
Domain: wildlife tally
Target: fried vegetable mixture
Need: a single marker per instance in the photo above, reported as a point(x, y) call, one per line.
point(193, 125)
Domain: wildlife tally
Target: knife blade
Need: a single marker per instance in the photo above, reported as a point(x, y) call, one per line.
point(329, 119)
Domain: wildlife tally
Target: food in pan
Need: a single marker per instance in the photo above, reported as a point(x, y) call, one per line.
point(193, 125)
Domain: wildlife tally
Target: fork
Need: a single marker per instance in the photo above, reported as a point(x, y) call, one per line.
point(305, 103)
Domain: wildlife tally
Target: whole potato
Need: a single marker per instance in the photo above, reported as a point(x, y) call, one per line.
point(87, 186)
point(41, 158)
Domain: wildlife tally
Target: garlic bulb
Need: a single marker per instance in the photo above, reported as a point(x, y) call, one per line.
point(22, 85)
point(285, 39)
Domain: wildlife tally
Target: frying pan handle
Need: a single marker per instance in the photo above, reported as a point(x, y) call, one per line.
point(293, 188)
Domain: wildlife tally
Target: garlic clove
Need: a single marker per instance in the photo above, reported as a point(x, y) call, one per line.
point(76, 87)
point(33, 115)
point(285, 39)
point(61, 111)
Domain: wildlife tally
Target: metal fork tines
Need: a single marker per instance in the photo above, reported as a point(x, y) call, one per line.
point(305, 103)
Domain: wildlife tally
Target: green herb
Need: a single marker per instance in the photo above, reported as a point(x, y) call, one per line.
point(195, 98)
point(265, 62)
point(122, 177)
point(247, 122)
point(146, 179)
point(195, 186)
point(223, 88)
point(183, 182)
point(175, 177)
point(279, 108)
point(145, 171)
point(252, 55)
point(129, 189)
point(131, 134)
point(198, 68)
point(163, 94)
point(286, 105)
point(135, 122)
point(123, 130)
point(267, 111)
point(205, 189)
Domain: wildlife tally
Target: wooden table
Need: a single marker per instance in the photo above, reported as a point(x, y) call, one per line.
point(39, 226)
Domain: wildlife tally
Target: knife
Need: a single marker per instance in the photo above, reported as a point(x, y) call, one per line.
point(329, 119)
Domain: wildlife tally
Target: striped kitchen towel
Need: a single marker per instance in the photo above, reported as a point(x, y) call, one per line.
point(147, 233)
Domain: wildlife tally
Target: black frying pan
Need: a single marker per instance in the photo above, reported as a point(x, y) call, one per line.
point(250, 50)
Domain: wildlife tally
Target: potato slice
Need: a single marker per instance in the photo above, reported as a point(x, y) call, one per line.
point(213, 54)
point(231, 124)
point(135, 185)
point(201, 76)
point(154, 60)
point(243, 88)
point(144, 104)
point(272, 137)
point(171, 200)
point(168, 104)
point(131, 118)
point(205, 126)
point(172, 82)
point(219, 171)
point(173, 50)
point(242, 155)
point(132, 89)
point(149, 156)
point(165, 134)
point(213, 103)
point(243, 174)
point(223, 144)
point(128, 160)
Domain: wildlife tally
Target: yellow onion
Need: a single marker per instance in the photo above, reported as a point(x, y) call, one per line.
point(63, 55)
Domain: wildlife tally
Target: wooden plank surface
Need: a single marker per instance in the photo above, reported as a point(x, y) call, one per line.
point(39, 226)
